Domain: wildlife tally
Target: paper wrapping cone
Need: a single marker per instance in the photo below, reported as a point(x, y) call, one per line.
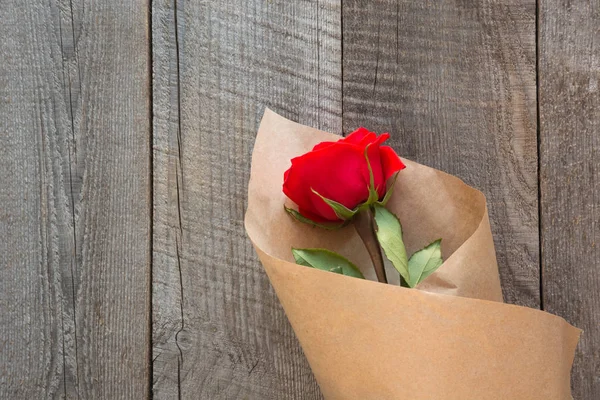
point(451, 338)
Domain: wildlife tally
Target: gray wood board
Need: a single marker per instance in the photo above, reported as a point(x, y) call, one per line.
point(75, 200)
point(454, 82)
point(569, 74)
point(219, 331)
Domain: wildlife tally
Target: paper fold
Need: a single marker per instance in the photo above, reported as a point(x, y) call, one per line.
point(452, 338)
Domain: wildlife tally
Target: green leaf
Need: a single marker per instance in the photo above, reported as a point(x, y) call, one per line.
point(373, 195)
point(302, 218)
point(389, 235)
point(327, 261)
point(340, 210)
point(388, 194)
point(424, 262)
point(337, 270)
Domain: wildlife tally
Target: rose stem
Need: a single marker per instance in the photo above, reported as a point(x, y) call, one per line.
point(364, 225)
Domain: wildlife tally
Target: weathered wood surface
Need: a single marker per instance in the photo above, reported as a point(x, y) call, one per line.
point(86, 205)
point(569, 75)
point(219, 331)
point(455, 85)
point(74, 200)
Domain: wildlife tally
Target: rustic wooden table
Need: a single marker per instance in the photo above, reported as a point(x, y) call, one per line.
point(126, 129)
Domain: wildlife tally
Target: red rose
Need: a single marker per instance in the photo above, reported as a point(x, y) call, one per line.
point(339, 171)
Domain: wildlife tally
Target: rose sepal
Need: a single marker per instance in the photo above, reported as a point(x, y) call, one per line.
point(342, 212)
point(388, 194)
point(301, 218)
point(373, 195)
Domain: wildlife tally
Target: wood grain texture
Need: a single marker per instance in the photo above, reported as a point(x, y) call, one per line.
point(569, 72)
point(219, 331)
point(75, 200)
point(454, 82)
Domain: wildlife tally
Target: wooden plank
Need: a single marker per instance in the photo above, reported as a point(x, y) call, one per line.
point(569, 72)
point(219, 331)
point(31, 328)
point(75, 200)
point(454, 83)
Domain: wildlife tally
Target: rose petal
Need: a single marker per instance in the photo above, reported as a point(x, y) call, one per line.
point(390, 162)
point(293, 189)
point(322, 145)
point(361, 136)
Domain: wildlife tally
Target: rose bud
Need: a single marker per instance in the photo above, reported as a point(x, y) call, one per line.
point(330, 182)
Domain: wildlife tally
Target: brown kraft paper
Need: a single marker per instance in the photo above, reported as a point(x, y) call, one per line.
point(450, 338)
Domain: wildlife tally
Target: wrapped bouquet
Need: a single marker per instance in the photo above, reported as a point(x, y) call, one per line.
point(387, 272)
